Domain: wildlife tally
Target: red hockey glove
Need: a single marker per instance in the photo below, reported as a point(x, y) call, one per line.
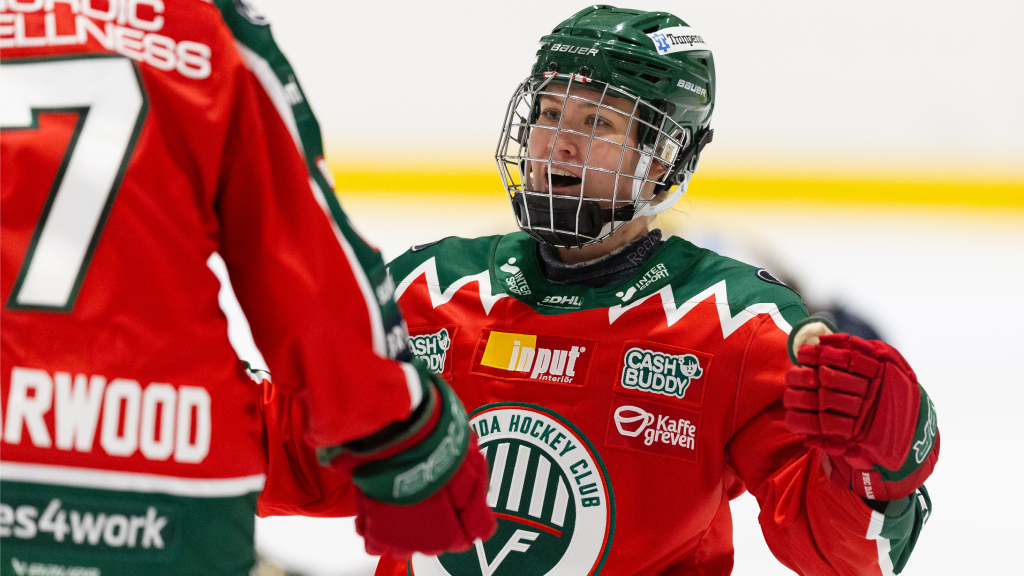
point(422, 483)
point(860, 402)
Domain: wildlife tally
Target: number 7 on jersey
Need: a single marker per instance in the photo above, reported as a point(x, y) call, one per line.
point(107, 94)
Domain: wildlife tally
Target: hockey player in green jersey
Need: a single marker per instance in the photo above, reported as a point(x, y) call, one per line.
point(625, 386)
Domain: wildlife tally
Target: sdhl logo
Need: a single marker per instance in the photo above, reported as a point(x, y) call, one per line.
point(539, 358)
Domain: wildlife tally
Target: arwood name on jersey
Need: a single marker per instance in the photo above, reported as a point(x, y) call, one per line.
point(618, 421)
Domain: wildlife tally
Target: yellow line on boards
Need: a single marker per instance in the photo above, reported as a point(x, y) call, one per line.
point(1000, 194)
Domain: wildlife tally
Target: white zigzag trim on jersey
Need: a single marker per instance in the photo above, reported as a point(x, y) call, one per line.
point(429, 269)
point(882, 543)
point(729, 322)
point(131, 481)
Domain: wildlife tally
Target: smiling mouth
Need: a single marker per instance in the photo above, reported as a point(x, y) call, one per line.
point(563, 179)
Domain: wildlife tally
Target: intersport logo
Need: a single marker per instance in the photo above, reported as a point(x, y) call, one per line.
point(535, 357)
point(650, 427)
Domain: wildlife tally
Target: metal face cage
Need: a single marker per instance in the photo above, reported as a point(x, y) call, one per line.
point(649, 160)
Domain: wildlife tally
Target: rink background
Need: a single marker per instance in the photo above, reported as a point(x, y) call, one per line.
point(873, 151)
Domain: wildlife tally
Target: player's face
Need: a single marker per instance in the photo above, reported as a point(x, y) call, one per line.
point(611, 127)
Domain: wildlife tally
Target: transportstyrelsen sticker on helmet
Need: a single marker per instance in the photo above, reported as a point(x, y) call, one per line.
point(550, 493)
point(649, 369)
point(678, 39)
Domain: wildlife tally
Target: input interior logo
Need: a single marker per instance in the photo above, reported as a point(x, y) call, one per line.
point(539, 358)
point(432, 349)
point(550, 493)
point(660, 370)
point(650, 427)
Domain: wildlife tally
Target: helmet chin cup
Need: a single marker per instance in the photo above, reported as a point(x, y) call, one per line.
point(566, 221)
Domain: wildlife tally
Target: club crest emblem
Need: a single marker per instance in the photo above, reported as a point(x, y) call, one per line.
point(550, 493)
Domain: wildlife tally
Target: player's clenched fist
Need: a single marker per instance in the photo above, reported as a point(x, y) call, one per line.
point(422, 483)
point(860, 402)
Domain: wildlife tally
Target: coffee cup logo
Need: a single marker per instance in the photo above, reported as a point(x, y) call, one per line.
point(628, 415)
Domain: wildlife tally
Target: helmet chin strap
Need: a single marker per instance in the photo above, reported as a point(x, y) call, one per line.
point(671, 199)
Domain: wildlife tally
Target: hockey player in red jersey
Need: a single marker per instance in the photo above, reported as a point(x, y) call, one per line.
point(139, 137)
point(626, 387)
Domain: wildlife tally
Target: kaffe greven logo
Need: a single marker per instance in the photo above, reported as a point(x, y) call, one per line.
point(550, 493)
point(551, 359)
point(651, 427)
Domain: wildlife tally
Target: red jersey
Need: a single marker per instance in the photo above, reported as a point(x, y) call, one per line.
point(618, 422)
point(139, 138)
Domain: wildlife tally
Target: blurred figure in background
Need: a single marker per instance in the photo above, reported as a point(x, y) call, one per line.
point(626, 387)
point(139, 138)
point(736, 246)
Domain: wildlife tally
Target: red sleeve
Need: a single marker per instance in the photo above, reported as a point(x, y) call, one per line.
point(313, 313)
point(810, 525)
point(296, 483)
point(317, 297)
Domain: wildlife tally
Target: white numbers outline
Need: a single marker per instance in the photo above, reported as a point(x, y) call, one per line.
point(107, 93)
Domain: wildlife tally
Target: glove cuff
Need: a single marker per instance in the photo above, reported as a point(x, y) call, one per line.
point(412, 473)
point(796, 328)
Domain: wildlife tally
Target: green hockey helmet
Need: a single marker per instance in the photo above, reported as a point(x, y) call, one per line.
point(660, 74)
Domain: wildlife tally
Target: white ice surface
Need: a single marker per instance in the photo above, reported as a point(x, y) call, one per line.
point(945, 288)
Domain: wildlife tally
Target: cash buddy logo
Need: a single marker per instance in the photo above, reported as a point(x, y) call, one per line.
point(550, 493)
point(659, 372)
point(432, 349)
point(540, 358)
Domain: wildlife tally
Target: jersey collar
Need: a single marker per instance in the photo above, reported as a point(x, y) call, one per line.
point(515, 267)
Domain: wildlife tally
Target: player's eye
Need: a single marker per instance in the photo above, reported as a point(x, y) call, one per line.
point(598, 121)
point(550, 114)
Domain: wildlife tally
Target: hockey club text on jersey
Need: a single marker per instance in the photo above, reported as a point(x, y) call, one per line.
point(159, 420)
point(84, 528)
point(549, 491)
point(534, 357)
point(643, 426)
point(128, 27)
point(432, 349)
